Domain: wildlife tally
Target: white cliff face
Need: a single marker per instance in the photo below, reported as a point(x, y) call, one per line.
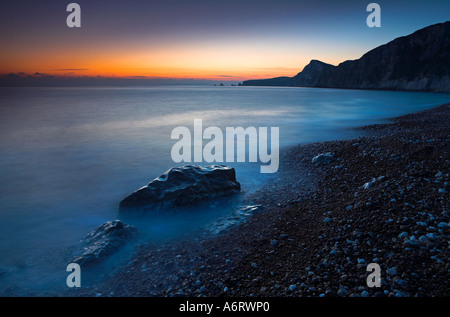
point(419, 61)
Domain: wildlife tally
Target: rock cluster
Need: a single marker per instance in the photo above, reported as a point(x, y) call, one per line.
point(179, 186)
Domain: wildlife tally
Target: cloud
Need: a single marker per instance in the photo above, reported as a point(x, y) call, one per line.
point(41, 75)
point(226, 76)
point(71, 69)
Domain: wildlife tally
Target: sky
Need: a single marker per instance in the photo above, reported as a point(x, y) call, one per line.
point(200, 39)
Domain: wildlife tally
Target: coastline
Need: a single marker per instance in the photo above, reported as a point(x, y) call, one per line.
point(319, 228)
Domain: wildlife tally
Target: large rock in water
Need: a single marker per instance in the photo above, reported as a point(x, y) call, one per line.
point(104, 241)
point(182, 186)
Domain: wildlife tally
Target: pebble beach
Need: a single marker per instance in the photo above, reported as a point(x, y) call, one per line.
point(381, 198)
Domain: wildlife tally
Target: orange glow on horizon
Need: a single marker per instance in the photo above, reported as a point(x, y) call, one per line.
point(201, 61)
point(152, 74)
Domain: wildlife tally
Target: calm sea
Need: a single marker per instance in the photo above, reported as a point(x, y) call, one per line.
point(69, 155)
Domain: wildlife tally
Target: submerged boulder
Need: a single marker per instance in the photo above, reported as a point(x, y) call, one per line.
point(104, 241)
point(182, 186)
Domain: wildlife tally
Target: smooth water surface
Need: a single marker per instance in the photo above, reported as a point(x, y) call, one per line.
point(69, 155)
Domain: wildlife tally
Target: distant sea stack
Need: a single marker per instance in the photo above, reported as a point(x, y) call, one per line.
point(420, 61)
